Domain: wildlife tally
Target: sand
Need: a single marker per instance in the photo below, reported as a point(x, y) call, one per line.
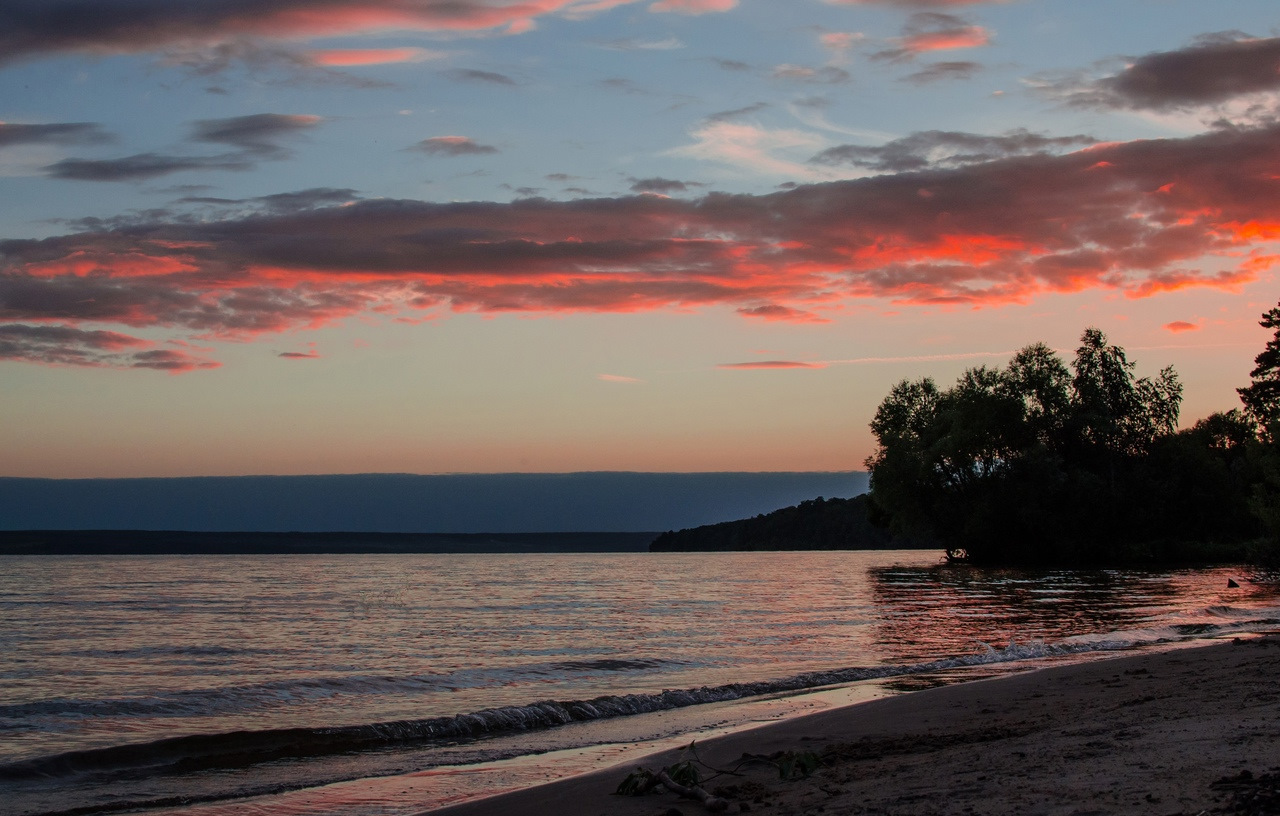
point(1189, 731)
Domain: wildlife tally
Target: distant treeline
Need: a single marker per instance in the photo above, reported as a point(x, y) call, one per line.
point(817, 524)
point(179, 542)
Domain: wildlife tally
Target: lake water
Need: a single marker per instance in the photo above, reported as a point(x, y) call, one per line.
point(385, 685)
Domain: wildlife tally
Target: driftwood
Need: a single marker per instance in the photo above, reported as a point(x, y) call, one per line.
point(709, 801)
point(684, 780)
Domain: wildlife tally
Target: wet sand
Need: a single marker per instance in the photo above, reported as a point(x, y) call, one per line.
point(1191, 731)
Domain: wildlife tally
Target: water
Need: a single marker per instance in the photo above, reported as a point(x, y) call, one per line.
point(370, 685)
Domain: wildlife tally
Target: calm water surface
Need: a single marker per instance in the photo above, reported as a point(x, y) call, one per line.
point(128, 683)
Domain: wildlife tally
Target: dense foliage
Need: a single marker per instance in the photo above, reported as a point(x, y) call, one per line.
point(1038, 463)
point(817, 524)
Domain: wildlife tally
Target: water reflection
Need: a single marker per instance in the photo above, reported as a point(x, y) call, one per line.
point(926, 609)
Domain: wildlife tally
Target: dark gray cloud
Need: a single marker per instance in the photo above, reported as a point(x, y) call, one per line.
point(141, 166)
point(662, 185)
point(254, 137)
point(725, 116)
point(279, 203)
point(731, 65)
point(452, 146)
point(940, 71)
point(472, 75)
point(257, 133)
point(306, 199)
point(947, 148)
point(1215, 69)
point(623, 85)
point(55, 133)
point(814, 102)
point(30, 28)
point(67, 345)
point(774, 311)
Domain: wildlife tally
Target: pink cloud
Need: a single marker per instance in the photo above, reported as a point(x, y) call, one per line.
point(770, 364)
point(693, 6)
point(33, 27)
point(966, 37)
point(452, 146)
point(1179, 326)
point(917, 3)
point(349, 57)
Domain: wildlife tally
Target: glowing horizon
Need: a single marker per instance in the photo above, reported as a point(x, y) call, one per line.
point(386, 236)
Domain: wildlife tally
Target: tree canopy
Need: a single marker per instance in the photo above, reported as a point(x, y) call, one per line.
point(1261, 397)
point(1038, 462)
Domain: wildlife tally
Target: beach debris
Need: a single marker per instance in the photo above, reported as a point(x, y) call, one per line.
point(790, 764)
point(709, 801)
point(1250, 794)
point(638, 783)
point(681, 779)
point(797, 764)
point(684, 778)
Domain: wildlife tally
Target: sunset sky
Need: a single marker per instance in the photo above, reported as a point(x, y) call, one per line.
point(427, 236)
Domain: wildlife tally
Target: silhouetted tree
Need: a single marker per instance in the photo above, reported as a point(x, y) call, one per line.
point(1261, 398)
point(1000, 465)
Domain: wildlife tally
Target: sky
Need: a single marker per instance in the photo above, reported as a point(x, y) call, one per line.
point(457, 236)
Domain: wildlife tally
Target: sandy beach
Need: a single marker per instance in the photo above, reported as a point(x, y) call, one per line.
point(1189, 731)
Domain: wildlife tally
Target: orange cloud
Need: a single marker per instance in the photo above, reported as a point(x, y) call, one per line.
point(774, 311)
point(1178, 326)
point(966, 37)
point(993, 232)
point(349, 57)
point(33, 27)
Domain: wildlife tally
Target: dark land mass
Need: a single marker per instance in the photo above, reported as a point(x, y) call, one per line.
point(180, 542)
point(817, 524)
point(489, 503)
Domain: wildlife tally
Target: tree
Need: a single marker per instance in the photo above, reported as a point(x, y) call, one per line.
point(1115, 411)
point(1034, 462)
point(1037, 375)
point(1261, 398)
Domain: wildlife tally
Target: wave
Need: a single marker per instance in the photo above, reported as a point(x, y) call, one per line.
point(224, 751)
point(224, 700)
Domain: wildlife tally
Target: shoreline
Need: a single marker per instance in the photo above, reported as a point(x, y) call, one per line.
point(1148, 733)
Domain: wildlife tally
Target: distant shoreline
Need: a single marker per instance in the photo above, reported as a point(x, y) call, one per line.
point(185, 542)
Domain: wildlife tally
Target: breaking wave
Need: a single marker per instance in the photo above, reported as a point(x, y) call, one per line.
point(238, 749)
